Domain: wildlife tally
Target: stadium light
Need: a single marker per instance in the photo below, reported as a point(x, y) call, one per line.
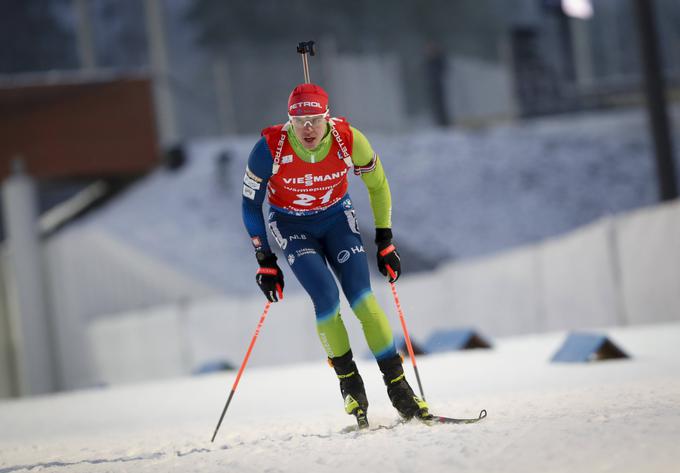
point(581, 9)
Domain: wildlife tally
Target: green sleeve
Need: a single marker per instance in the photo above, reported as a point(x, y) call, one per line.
point(372, 173)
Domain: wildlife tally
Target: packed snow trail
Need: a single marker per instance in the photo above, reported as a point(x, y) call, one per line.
point(621, 416)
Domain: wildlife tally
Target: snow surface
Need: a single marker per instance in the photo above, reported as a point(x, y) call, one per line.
point(456, 194)
point(609, 416)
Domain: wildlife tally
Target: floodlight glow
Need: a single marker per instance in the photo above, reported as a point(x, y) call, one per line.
point(582, 9)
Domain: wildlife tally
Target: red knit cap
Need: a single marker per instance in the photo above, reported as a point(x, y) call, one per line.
point(307, 99)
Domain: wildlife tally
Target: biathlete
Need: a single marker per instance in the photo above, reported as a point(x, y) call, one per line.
point(302, 168)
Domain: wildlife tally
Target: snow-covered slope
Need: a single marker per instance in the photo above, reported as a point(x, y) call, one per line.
point(457, 193)
point(611, 416)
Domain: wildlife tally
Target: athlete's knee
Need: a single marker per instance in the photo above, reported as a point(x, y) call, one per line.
point(326, 301)
point(361, 298)
point(355, 284)
point(368, 310)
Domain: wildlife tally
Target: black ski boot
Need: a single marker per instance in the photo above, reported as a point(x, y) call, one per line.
point(402, 396)
point(351, 387)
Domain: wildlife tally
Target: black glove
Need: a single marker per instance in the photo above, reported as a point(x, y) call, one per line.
point(387, 254)
point(269, 277)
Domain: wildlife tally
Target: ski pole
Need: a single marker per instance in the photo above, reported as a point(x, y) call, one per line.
point(243, 365)
point(304, 48)
point(409, 347)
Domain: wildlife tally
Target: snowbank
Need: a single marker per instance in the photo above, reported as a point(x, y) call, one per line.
point(456, 194)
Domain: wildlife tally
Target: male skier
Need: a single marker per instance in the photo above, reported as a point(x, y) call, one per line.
point(302, 167)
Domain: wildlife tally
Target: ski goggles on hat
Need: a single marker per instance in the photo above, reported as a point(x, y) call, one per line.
point(311, 120)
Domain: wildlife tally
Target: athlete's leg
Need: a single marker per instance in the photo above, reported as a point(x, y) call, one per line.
point(347, 256)
point(307, 261)
point(345, 250)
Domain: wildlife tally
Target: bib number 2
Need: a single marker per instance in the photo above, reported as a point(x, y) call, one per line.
point(306, 200)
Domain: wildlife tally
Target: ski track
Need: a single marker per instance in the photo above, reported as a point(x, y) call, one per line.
point(516, 438)
point(613, 416)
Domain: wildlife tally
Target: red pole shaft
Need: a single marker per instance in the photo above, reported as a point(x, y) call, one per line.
point(252, 344)
point(409, 346)
point(407, 339)
point(243, 366)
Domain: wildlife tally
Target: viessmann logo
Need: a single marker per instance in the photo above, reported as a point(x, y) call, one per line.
point(311, 179)
point(305, 104)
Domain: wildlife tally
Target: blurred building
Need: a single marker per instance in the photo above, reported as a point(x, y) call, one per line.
point(66, 145)
point(227, 67)
point(112, 84)
point(68, 132)
point(499, 60)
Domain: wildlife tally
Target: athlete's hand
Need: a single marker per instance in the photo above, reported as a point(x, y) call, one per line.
point(269, 277)
point(389, 262)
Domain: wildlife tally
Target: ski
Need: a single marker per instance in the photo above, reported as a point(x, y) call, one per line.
point(363, 425)
point(435, 419)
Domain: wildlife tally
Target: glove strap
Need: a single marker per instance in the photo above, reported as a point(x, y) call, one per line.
point(387, 251)
point(271, 271)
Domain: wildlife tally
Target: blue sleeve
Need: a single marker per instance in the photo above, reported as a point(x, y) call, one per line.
point(258, 172)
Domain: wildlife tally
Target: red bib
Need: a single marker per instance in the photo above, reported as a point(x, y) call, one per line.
point(304, 187)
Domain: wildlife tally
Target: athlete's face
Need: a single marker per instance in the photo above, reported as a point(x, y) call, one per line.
point(310, 129)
